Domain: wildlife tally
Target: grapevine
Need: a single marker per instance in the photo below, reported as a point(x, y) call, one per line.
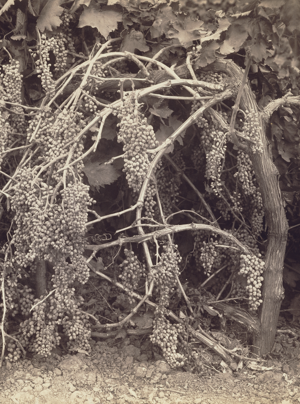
point(105, 143)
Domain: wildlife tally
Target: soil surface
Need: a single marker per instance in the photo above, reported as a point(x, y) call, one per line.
point(124, 373)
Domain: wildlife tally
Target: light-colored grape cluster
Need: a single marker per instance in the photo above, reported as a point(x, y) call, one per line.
point(77, 328)
point(132, 272)
point(45, 229)
point(214, 143)
point(166, 272)
point(251, 130)
point(43, 66)
point(51, 225)
point(208, 255)
point(26, 300)
point(165, 335)
point(252, 267)
point(214, 160)
point(58, 44)
point(4, 130)
point(13, 351)
point(245, 173)
point(37, 333)
point(246, 176)
point(94, 83)
point(137, 136)
point(11, 81)
point(205, 252)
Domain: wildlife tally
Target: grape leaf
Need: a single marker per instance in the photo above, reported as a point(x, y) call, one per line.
point(224, 23)
point(100, 175)
point(185, 30)
point(175, 124)
point(207, 55)
point(287, 150)
point(105, 20)
point(162, 112)
point(134, 40)
point(236, 36)
point(49, 15)
point(162, 134)
point(272, 3)
point(290, 14)
point(78, 3)
point(7, 6)
point(290, 277)
point(165, 131)
point(164, 18)
point(258, 48)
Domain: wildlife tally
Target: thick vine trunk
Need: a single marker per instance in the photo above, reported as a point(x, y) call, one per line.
point(275, 218)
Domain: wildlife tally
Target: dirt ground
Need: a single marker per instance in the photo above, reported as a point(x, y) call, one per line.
point(123, 373)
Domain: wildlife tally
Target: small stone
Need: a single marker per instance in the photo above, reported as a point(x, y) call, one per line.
point(129, 360)
point(57, 372)
point(109, 397)
point(141, 371)
point(162, 367)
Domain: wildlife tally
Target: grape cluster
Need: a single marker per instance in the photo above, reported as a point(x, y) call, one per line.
point(11, 287)
point(137, 137)
point(89, 104)
point(132, 272)
point(4, 130)
point(246, 176)
point(166, 272)
point(257, 216)
point(224, 209)
point(252, 267)
point(149, 202)
point(12, 87)
point(26, 298)
point(208, 255)
point(214, 159)
point(168, 185)
point(58, 44)
point(205, 252)
point(77, 328)
point(201, 121)
point(13, 351)
point(212, 77)
point(47, 229)
point(245, 173)
point(38, 334)
point(248, 239)
point(165, 335)
point(238, 289)
point(43, 66)
point(214, 143)
point(251, 130)
point(198, 159)
point(93, 83)
point(53, 131)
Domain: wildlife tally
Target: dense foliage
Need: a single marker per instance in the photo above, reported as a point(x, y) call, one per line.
point(128, 176)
